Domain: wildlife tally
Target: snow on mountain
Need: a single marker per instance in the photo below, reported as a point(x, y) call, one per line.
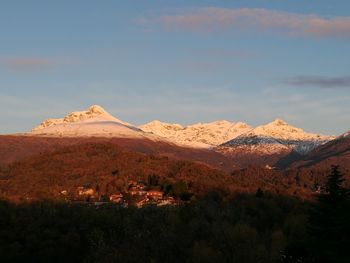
point(276, 136)
point(94, 121)
point(163, 129)
point(92, 112)
point(203, 135)
point(335, 152)
point(344, 135)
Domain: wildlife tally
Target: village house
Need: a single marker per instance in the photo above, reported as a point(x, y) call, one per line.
point(136, 188)
point(85, 191)
point(140, 185)
point(167, 201)
point(155, 194)
point(137, 192)
point(141, 203)
point(116, 198)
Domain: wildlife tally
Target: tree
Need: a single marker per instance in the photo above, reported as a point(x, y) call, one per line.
point(153, 180)
point(180, 189)
point(329, 221)
point(259, 193)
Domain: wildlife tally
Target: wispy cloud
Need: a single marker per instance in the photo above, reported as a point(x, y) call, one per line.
point(28, 63)
point(320, 82)
point(212, 19)
point(35, 63)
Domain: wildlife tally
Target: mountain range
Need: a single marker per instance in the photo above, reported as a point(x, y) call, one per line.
point(223, 136)
point(95, 121)
point(232, 145)
point(200, 135)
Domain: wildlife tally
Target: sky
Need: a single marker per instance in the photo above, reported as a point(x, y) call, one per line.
point(181, 61)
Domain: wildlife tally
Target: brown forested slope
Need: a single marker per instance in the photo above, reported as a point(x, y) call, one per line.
point(109, 167)
point(103, 165)
point(15, 148)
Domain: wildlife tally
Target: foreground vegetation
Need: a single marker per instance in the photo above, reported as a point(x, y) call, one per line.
point(217, 228)
point(245, 229)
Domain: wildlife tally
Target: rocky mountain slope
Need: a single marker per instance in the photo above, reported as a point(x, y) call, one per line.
point(204, 135)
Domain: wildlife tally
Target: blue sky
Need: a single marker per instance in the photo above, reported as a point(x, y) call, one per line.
point(177, 61)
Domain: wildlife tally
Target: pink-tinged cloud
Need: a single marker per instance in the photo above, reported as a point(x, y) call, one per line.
point(37, 63)
point(213, 19)
point(25, 63)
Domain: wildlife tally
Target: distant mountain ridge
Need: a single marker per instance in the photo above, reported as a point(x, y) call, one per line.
point(262, 145)
point(204, 135)
point(269, 144)
point(277, 136)
point(272, 137)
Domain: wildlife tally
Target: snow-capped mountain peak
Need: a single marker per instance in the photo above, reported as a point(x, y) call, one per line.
point(197, 135)
point(279, 122)
point(94, 121)
point(277, 135)
point(156, 124)
point(93, 113)
point(279, 129)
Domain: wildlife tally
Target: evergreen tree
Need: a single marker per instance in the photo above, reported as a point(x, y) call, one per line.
point(329, 221)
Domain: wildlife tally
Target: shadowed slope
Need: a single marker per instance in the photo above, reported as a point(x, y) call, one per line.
point(336, 152)
point(15, 148)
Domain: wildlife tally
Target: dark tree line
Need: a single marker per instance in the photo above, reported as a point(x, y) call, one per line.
point(213, 229)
